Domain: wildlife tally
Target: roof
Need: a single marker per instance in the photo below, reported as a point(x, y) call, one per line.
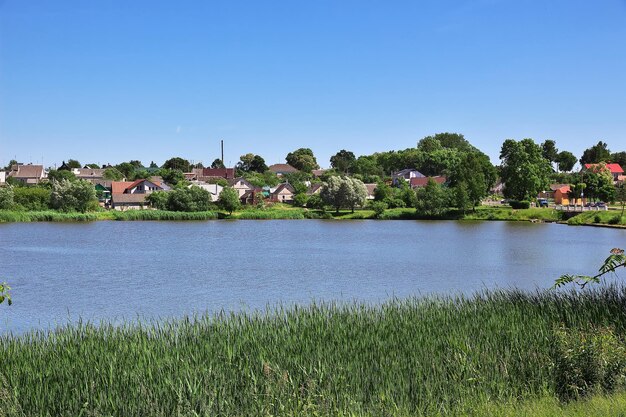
point(283, 186)
point(564, 189)
point(227, 173)
point(118, 187)
point(89, 173)
point(28, 171)
point(236, 180)
point(128, 198)
point(614, 168)
point(370, 188)
point(422, 181)
point(282, 168)
point(409, 170)
point(318, 172)
point(314, 188)
point(555, 187)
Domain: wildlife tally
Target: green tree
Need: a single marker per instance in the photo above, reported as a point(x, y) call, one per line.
point(60, 174)
point(300, 200)
point(565, 161)
point(127, 169)
point(302, 159)
point(252, 163)
point(429, 144)
point(158, 200)
point(174, 177)
point(344, 192)
point(217, 163)
point(342, 161)
point(477, 173)
point(620, 196)
point(229, 200)
point(6, 198)
point(379, 208)
point(112, 174)
point(431, 199)
point(597, 153)
point(549, 150)
point(461, 197)
point(315, 201)
point(93, 166)
point(32, 198)
point(382, 192)
point(177, 163)
point(73, 195)
point(600, 182)
point(619, 158)
point(73, 163)
point(524, 170)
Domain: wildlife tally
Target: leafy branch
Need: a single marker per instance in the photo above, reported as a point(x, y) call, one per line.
point(615, 260)
point(4, 293)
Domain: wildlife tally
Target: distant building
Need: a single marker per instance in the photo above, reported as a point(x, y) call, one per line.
point(406, 174)
point(92, 175)
point(282, 169)
point(616, 170)
point(28, 174)
point(423, 181)
point(215, 173)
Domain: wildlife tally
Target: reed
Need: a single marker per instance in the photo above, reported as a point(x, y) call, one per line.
point(419, 356)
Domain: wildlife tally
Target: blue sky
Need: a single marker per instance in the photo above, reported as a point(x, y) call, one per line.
point(119, 80)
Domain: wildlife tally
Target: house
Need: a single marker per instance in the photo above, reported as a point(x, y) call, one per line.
point(283, 193)
point(616, 169)
point(215, 173)
point(318, 172)
point(122, 202)
point(213, 189)
point(241, 185)
point(406, 174)
point(103, 191)
point(282, 169)
point(314, 189)
point(140, 188)
point(418, 182)
point(3, 177)
point(549, 194)
point(92, 175)
point(28, 174)
point(562, 197)
point(252, 196)
point(371, 188)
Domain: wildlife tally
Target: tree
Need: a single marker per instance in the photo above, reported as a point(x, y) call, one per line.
point(229, 200)
point(549, 150)
point(315, 202)
point(153, 165)
point(59, 175)
point(429, 144)
point(73, 163)
point(379, 208)
point(93, 166)
point(524, 170)
point(158, 200)
point(431, 199)
point(173, 176)
point(382, 192)
point(302, 159)
point(251, 163)
point(619, 158)
point(127, 169)
point(32, 198)
point(597, 153)
point(6, 198)
point(344, 192)
point(112, 174)
point(474, 171)
point(300, 200)
point(342, 161)
point(73, 196)
point(565, 161)
point(217, 163)
point(616, 260)
point(177, 163)
point(620, 196)
point(461, 197)
point(450, 141)
point(600, 182)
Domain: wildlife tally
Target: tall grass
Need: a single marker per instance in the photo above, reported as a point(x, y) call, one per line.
point(429, 356)
point(163, 215)
point(45, 216)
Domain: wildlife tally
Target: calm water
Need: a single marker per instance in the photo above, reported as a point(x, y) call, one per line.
point(130, 270)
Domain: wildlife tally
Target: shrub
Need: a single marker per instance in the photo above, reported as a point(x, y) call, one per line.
point(588, 361)
point(520, 204)
point(379, 208)
point(615, 219)
point(32, 198)
point(597, 218)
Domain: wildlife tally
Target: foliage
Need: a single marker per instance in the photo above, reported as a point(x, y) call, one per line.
point(127, 169)
point(524, 170)
point(344, 192)
point(620, 196)
point(217, 163)
point(158, 200)
point(342, 161)
point(302, 159)
point(315, 201)
point(32, 198)
point(6, 198)
point(113, 174)
point(70, 164)
point(300, 200)
point(379, 208)
point(616, 260)
point(597, 153)
point(251, 163)
point(565, 161)
point(229, 200)
point(189, 199)
point(432, 200)
point(619, 158)
point(173, 176)
point(177, 163)
point(5, 294)
point(599, 182)
point(60, 174)
point(588, 361)
point(477, 173)
point(549, 150)
point(461, 198)
point(73, 196)
point(519, 205)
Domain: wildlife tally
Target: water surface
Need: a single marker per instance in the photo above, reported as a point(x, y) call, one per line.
point(127, 270)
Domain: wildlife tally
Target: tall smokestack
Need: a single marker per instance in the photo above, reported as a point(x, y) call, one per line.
point(223, 152)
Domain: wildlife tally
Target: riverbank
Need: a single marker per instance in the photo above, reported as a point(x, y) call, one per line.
point(286, 212)
point(427, 356)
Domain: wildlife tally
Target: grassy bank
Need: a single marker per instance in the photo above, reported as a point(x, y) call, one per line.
point(598, 217)
point(431, 356)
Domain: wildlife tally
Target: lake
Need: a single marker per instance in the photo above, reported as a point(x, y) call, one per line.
point(118, 271)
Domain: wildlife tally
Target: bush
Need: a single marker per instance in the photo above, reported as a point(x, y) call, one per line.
point(519, 204)
point(597, 218)
point(615, 220)
point(588, 361)
point(379, 208)
point(32, 198)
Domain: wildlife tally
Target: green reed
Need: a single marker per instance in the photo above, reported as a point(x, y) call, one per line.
point(419, 356)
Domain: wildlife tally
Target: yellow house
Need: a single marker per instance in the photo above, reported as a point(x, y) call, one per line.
point(561, 197)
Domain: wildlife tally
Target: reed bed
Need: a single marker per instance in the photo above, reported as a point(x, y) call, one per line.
point(427, 356)
point(163, 215)
point(292, 214)
point(7, 216)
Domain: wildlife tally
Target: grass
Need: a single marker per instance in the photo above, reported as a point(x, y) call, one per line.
point(422, 356)
point(598, 217)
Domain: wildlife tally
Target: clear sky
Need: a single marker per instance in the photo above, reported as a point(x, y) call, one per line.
point(110, 81)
